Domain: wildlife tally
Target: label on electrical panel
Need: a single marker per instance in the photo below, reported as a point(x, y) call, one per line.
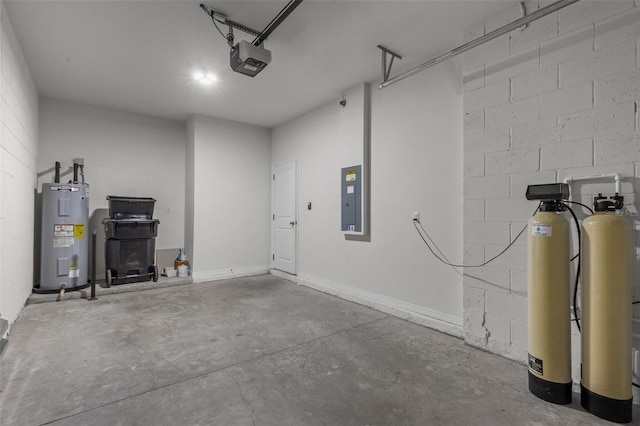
point(541, 230)
point(63, 235)
point(535, 364)
point(350, 176)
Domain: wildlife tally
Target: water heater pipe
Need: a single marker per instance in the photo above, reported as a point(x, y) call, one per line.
point(61, 294)
point(57, 175)
point(617, 177)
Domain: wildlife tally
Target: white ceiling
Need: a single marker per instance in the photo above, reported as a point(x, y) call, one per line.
point(140, 56)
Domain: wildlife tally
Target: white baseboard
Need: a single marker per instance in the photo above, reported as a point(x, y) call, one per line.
point(221, 274)
point(426, 317)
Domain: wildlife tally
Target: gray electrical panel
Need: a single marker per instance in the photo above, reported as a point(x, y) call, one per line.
point(351, 179)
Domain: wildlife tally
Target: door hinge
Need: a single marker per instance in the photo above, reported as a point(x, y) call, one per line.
point(274, 177)
point(274, 217)
point(273, 257)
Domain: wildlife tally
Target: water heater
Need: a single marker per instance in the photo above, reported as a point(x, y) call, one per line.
point(64, 259)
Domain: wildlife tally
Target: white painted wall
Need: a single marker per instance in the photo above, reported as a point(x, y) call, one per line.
point(189, 191)
point(416, 165)
point(18, 153)
point(231, 198)
point(125, 154)
point(558, 99)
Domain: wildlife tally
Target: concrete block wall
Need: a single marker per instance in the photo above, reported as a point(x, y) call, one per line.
point(558, 99)
point(18, 148)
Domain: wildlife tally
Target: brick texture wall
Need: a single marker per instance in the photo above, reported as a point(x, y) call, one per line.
point(558, 99)
point(18, 147)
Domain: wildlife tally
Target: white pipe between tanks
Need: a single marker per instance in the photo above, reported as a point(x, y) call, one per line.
point(617, 177)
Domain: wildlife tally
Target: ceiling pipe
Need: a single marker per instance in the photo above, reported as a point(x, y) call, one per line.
point(481, 40)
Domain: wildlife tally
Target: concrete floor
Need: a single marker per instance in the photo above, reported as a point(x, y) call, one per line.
point(253, 351)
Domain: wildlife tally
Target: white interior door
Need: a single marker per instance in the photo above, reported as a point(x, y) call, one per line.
point(285, 220)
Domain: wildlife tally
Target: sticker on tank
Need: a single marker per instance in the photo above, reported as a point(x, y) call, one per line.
point(541, 230)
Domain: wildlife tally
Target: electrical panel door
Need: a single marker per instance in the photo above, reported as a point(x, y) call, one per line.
point(352, 199)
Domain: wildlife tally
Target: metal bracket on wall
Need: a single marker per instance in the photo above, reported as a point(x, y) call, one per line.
point(386, 71)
